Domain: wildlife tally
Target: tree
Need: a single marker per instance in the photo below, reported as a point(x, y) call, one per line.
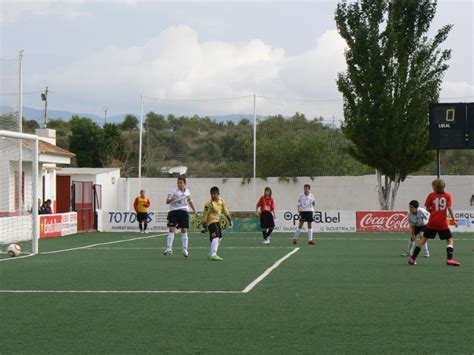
point(30, 126)
point(63, 132)
point(394, 70)
point(288, 148)
point(86, 142)
point(113, 144)
point(130, 123)
point(154, 121)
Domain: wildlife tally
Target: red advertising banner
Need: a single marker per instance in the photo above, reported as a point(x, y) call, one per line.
point(382, 221)
point(50, 226)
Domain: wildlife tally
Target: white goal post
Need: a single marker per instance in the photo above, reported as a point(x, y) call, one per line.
point(19, 171)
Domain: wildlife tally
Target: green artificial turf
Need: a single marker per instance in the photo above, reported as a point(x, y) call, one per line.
point(349, 293)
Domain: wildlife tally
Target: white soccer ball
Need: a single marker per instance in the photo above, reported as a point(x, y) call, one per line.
point(14, 250)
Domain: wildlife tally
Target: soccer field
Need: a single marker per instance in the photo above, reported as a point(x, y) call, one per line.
point(349, 293)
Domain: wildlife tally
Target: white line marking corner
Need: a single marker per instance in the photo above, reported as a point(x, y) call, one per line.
point(267, 272)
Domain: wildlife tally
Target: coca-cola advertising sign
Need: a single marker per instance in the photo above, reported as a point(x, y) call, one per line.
point(382, 221)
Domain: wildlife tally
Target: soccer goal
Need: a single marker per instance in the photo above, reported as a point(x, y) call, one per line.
point(19, 222)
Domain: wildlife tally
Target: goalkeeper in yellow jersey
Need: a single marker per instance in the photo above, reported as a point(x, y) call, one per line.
point(211, 220)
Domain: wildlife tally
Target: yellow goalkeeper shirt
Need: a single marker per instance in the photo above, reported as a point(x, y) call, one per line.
point(141, 204)
point(213, 211)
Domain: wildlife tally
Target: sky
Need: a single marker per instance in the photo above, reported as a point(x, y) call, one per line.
point(94, 55)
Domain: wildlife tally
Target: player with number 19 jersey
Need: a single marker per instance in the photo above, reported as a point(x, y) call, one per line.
point(437, 204)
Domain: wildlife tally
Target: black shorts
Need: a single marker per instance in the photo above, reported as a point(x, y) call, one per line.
point(214, 230)
point(420, 229)
point(266, 220)
point(444, 234)
point(306, 216)
point(142, 216)
point(178, 219)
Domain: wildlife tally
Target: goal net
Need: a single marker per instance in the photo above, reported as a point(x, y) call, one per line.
point(10, 94)
point(18, 192)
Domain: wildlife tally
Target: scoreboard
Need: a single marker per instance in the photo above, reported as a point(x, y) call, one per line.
point(452, 126)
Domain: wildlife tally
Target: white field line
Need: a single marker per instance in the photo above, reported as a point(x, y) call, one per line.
point(86, 246)
point(245, 290)
point(113, 291)
point(106, 243)
point(267, 272)
point(17, 257)
point(315, 238)
point(191, 248)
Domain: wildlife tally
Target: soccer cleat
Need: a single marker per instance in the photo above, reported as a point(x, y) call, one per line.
point(146, 232)
point(452, 262)
point(427, 255)
point(311, 242)
point(295, 241)
point(405, 254)
point(411, 261)
point(185, 253)
point(266, 241)
point(216, 258)
point(168, 252)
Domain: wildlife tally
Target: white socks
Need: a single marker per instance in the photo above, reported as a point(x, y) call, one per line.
point(184, 240)
point(310, 234)
point(425, 248)
point(411, 245)
point(169, 241)
point(297, 233)
point(214, 246)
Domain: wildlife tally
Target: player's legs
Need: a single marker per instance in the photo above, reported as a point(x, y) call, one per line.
point(446, 235)
point(429, 234)
point(183, 223)
point(184, 241)
point(169, 240)
point(140, 221)
point(145, 225)
point(267, 224)
point(263, 226)
point(172, 223)
point(310, 232)
point(270, 224)
point(426, 251)
point(298, 231)
point(269, 231)
point(411, 245)
point(215, 236)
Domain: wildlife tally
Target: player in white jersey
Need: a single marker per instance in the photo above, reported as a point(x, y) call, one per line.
point(178, 217)
point(418, 218)
point(306, 204)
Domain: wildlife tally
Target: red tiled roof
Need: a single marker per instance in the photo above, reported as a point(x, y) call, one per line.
point(48, 148)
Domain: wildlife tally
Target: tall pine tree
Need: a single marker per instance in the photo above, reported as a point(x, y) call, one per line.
point(394, 70)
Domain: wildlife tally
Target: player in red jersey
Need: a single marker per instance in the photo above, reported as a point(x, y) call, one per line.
point(438, 203)
point(266, 211)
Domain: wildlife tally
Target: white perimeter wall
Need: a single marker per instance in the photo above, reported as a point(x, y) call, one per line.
point(332, 193)
point(112, 194)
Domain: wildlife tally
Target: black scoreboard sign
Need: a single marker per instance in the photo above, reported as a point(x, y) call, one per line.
point(452, 126)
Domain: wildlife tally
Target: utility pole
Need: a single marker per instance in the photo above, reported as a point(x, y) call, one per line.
point(44, 97)
point(105, 115)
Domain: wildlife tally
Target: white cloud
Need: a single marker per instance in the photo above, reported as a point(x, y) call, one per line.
point(176, 64)
point(13, 10)
point(457, 90)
